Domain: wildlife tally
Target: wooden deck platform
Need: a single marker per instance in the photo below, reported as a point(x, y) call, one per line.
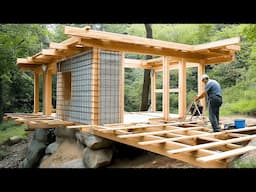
point(188, 141)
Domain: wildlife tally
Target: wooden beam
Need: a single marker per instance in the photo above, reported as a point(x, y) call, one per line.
point(166, 79)
point(95, 86)
point(226, 154)
point(135, 63)
point(216, 44)
point(153, 93)
point(49, 52)
point(125, 38)
point(36, 92)
point(182, 88)
point(58, 46)
point(122, 88)
point(234, 47)
point(173, 90)
point(210, 145)
point(221, 59)
point(48, 93)
point(133, 48)
point(26, 61)
point(201, 85)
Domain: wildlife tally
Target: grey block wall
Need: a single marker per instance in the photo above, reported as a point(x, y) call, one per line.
point(110, 77)
point(79, 108)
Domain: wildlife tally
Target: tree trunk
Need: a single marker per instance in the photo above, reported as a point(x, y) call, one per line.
point(147, 79)
point(1, 100)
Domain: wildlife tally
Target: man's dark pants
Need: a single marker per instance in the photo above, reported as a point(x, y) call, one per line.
point(214, 107)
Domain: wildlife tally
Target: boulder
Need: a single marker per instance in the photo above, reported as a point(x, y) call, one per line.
point(34, 154)
point(93, 141)
point(97, 158)
point(41, 135)
point(77, 163)
point(51, 148)
point(14, 140)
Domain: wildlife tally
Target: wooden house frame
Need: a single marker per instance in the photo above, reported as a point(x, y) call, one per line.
point(187, 141)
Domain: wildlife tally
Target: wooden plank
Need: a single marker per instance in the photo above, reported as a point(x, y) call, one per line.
point(122, 87)
point(216, 44)
point(156, 132)
point(213, 144)
point(179, 138)
point(166, 77)
point(36, 92)
point(48, 93)
point(153, 91)
point(79, 126)
point(105, 128)
point(201, 85)
point(182, 88)
point(226, 154)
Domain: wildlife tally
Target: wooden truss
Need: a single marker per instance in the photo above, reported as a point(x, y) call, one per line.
point(186, 141)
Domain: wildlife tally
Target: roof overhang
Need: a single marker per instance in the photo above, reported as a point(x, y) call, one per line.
point(82, 39)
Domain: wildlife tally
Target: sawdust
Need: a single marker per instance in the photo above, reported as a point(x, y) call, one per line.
point(66, 151)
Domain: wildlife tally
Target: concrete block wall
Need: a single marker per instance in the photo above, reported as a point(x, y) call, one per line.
point(79, 108)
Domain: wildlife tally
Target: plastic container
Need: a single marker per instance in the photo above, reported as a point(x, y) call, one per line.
point(240, 123)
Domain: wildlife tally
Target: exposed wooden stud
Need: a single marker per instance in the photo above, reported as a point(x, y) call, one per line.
point(201, 85)
point(48, 93)
point(153, 91)
point(36, 92)
point(166, 79)
point(122, 87)
point(182, 88)
point(95, 89)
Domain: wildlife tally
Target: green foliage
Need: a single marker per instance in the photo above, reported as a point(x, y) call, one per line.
point(18, 41)
point(9, 129)
point(249, 163)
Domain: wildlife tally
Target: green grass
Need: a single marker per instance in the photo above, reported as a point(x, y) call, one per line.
point(251, 163)
point(9, 129)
